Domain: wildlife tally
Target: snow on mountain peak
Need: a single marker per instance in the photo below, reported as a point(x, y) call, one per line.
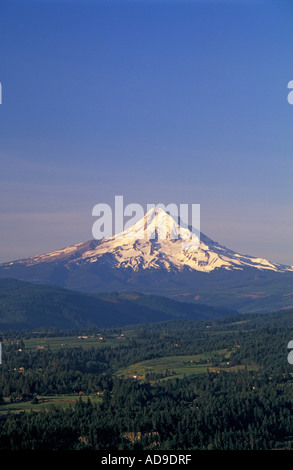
point(160, 225)
point(156, 241)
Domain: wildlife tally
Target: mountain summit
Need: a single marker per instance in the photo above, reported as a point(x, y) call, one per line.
point(158, 255)
point(156, 241)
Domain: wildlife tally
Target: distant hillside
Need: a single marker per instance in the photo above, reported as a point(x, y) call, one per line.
point(28, 306)
point(174, 308)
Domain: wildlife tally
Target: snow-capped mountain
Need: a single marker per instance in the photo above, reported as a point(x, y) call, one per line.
point(157, 241)
point(159, 256)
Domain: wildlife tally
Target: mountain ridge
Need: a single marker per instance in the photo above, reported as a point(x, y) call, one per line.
point(28, 306)
point(159, 243)
point(150, 259)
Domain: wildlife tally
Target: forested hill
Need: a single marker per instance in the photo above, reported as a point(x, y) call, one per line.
point(25, 305)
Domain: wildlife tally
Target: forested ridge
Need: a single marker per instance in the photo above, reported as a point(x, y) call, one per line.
point(245, 403)
point(27, 306)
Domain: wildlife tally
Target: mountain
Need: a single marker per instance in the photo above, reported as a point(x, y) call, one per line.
point(29, 306)
point(149, 258)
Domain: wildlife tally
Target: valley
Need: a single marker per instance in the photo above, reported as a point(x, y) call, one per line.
point(165, 385)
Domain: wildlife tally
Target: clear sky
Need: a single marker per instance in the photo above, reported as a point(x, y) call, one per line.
point(158, 101)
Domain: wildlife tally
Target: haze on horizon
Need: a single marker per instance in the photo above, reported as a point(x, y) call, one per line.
point(159, 101)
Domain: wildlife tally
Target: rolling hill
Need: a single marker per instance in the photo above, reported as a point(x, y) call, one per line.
point(29, 306)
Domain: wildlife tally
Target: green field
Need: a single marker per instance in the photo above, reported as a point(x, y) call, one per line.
point(61, 342)
point(45, 403)
point(181, 366)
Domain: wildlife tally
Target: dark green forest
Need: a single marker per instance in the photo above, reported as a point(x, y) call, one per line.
point(27, 306)
point(247, 406)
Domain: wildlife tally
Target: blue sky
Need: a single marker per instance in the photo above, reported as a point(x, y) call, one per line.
point(158, 101)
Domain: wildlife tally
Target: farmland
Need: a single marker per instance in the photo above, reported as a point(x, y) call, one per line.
point(45, 403)
point(181, 366)
point(55, 343)
point(221, 384)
